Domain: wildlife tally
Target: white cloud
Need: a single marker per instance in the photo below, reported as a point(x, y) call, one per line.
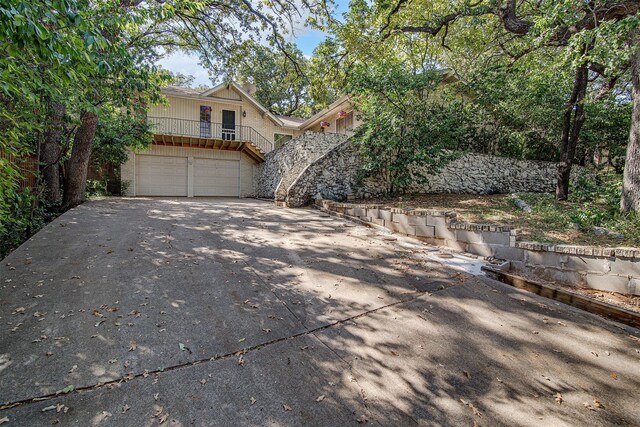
point(185, 63)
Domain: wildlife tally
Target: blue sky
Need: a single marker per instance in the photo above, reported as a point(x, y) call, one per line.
point(307, 39)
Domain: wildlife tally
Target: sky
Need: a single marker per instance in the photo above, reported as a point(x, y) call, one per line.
point(307, 39)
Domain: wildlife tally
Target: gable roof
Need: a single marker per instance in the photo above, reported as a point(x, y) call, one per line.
point(320, 114)
point(245, 94)
point(292, 122)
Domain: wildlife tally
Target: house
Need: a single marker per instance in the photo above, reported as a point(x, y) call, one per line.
point(208, 143)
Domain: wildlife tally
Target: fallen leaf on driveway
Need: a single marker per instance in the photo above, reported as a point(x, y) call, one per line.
point(203, 381)
point(73, 369)
point(476, 412)
point(286, 407)
point(4, 420)
point(19, 310)
point(267, 330)
point(125, 408)
point(614, 375)
point(320, 398)
point(49, 408)
point(67, 389)
point(253, 401)
point(241, 361)
point(363, 419)
point(132, 345)
point(559, 398)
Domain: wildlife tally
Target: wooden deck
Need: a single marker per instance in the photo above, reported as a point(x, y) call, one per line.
point(210, 143)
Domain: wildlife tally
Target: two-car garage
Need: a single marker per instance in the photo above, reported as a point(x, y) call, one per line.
point(158, 173)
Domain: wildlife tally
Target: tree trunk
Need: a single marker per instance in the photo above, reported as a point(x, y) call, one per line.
point(572, 122)
point(630, 198)
point(79, 163)
point(50, 152)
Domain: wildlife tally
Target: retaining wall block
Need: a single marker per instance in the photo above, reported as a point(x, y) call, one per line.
point(549, 259)
point(360, 212)
point(400, 227)
point(455, 245)
point(623, 266)
point(469, 236)
point(509, 253)
point(573, 278)
point(373, 213)
point(378, 221)
point(417, 220)
point(482, 249)
point(437, 220)
point(496, 238)
point(443, 232)
point(425, 230)
point(587, 263)
point(400, 218)
point(385, 214)
point(608, 282)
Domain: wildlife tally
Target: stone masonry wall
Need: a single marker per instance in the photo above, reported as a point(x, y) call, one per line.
point(288, 161)
point(610, 269)
point(333, 176)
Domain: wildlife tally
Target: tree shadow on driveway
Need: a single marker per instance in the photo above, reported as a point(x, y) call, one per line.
point(283, 307)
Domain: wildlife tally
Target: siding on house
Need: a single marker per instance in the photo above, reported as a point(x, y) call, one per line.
point(189, 109)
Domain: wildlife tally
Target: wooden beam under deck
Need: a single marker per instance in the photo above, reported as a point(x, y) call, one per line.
point(210, 144)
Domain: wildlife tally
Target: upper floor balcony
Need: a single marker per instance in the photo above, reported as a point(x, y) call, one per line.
point(202, 134)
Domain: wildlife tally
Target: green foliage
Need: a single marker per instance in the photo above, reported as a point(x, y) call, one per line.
point(280, 78)
point(97, 187)
point(398, 140)
point(117, 133)
point(598, 200)
point(17, 223)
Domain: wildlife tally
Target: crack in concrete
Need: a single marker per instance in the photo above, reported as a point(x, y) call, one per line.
point(156, 372)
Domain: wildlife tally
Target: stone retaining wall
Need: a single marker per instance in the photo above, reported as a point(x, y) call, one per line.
point(333, 176)
point(610, 269)
point(285, 163)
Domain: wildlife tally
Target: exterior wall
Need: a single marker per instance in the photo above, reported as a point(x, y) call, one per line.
point(332, 115)
point(247, 164)
point(189, 109)
point(610, 269)
point(263, 124)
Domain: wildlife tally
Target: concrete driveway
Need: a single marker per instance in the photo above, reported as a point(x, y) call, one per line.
point(219, 312)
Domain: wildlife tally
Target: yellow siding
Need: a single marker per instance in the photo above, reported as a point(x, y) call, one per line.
point(189, 109)
point(227, 93)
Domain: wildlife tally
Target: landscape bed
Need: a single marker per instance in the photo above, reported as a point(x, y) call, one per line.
point(610, 269)
point(549, 222)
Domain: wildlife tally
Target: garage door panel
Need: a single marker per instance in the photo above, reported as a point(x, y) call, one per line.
point(161, 176)
point(214, 177)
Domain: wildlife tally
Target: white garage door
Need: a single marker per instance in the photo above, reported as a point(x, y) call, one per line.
point(161, 176)
point(216, 177)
